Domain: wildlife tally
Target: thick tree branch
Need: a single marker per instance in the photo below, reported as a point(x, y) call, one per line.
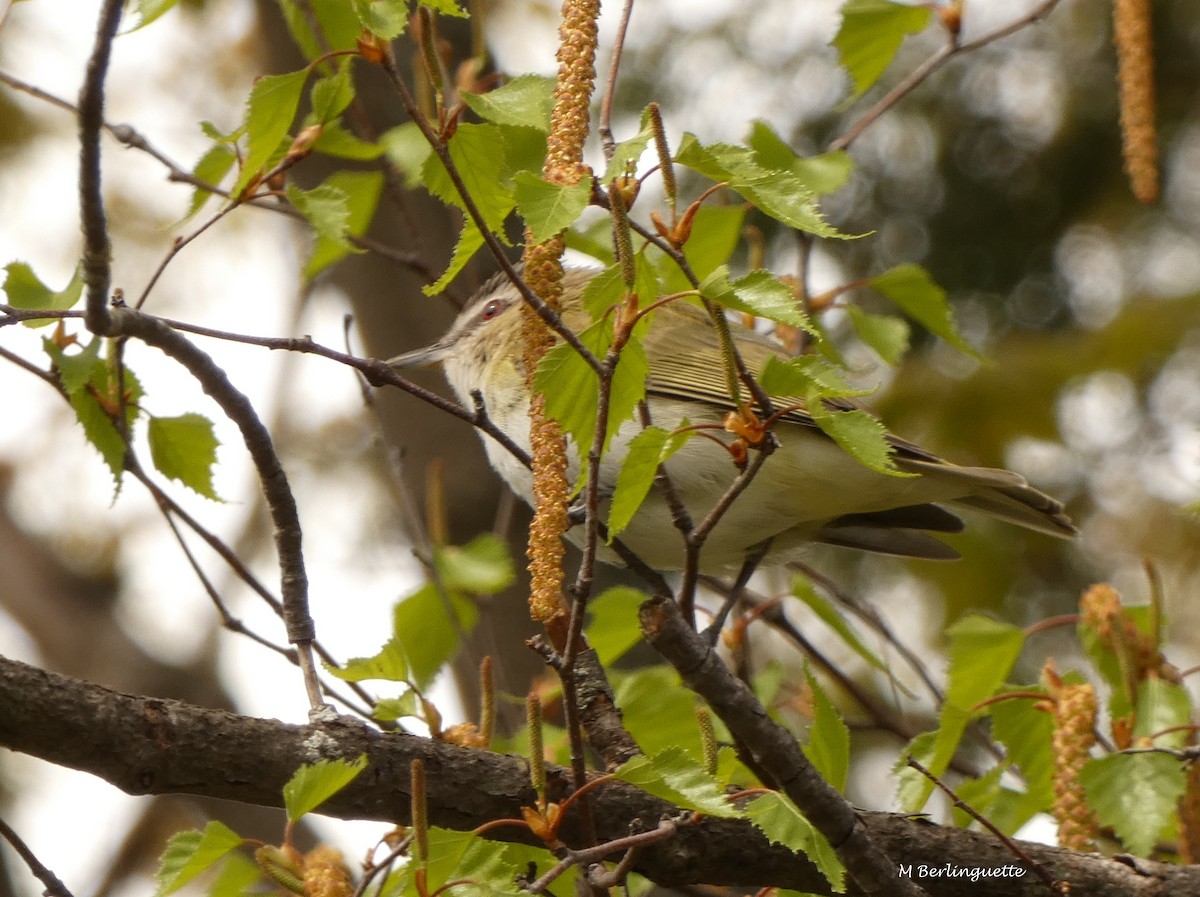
point(152, 746)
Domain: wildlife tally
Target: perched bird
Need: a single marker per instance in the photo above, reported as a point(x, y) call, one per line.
point(808, 490)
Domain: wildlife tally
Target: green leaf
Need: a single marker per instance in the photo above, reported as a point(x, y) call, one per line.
point(211, 169)
point(780, 194)
point(716, 233)
point(238, 875)
point(270, 111)
point(829, 615)
point(858, 433)
point(391, 709)
point(758, 293)
point(190, 853)
point(1134, 794)
point(657, 710)
point(675, 775)
point(390, 665)
point(428, 635)
point(478, 152)
point(526, 101)
point(820, 174)
point(828, 747)
point(446, 7)
point(613, 628)
point(648, 449)
point(468, 244)
point(981, 794)
point(885, 334)
point(1163, 705)
point(25, 290)
point(982, 652)
point(184, 448)
point(871, 33)
point(406, 148)
point(361, 190)
point(149, 10)
point(327, 210)
point(339, 143)
point(482, 567)
point(335, 21)
point(911, 288)
point(549, 208)
point(383, 18)
point(803, 374)
point(1025, 732)
point(783, 823)
point(477, 867)
point(331, 95)
point(315, 783)
point(912, 788)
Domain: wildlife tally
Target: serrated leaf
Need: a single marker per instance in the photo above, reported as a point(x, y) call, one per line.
point(763, 294)
point(238, 874)
point(390, 665)
point(339, 143)
point(1134, 794)
point(646, 451)
point(211, 169)
point(783, 823)
point(820, 174)
point(982, 652)
point(383, 18)
point(188, 854)
point(885, 334)
point(911, 288)
point(468, 244)
point(478, 868)
point(716, 233)
point(361, 190)
point(1163, 705)
point(656, 709)
point(406, 148)
point(313, 784)
point(828, 747)
point(1025, 732)
point(327, 210)
point(912, 788)
point(25, 290)
point(804, 374)
point(428, 628)
point(331, 95)
point(525, 102)
point(391, 709)
point(675, 775)
point(613, 626)
point(184, 448)
point(337, 26)
point(549, 208)
point(829, 615)
point(482, 567)
point(479, 154)
point(871, 33)
point(779, 194)
point(858, 433)
point(446, 7)
point(270, 111)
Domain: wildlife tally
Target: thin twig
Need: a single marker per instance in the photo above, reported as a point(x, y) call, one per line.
point(607, 142)
point(54, 887)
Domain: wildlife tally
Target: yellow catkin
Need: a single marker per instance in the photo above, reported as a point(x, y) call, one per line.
point(543, 273)
point(1100, 609)
point(1135, 80)
point(1074, 711)
point(326, 873)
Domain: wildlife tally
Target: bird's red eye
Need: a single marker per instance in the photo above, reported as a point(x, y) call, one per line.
point(492, 309)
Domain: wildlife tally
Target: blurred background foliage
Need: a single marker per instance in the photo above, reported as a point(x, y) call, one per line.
point(1001, 174)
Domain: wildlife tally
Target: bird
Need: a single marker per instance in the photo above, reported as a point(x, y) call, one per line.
point(809, 490)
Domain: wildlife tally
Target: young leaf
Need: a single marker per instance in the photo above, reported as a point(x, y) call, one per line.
point(25, 290)
point(1134, 794)
point(468, 244)
point(361, 190)
point(525, 101)
point(885, 334)
point(804, 373)
point(911, 288)
point(406, 148)
point(270, 111)
point(390, 665)
point(716, 233)
point(482, 566)
point(759, 293)
point(658, 711)
point(829, 615)
point(1163, 705)
point(327, 209)
point(613, 628)
point(821, 174)
point(336, 26)
point(859, 434)
point(184, 448)
point(429, 637)
point(149, 10)
point(238, 874)
point(674, 775)
point(1025, 732)
point(478, 152)
point(336, 141)
point(314, 784)
point(549, 208)
point(190, 853)
point(871, 33)
point(211, 169)
point(648, 449)
point(446, 7)
point(383, 18)
point(783, 823)
point(828, 747)
point(331, 95)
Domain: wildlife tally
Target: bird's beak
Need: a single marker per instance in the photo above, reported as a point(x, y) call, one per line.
point(421, 358)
